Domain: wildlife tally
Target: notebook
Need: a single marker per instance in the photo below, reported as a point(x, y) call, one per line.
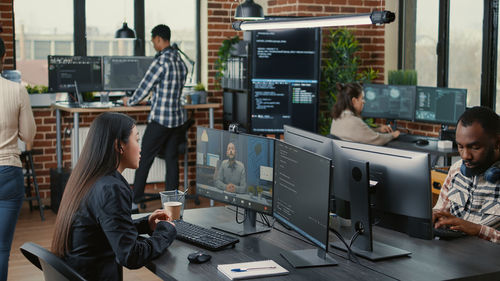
point(247, 270)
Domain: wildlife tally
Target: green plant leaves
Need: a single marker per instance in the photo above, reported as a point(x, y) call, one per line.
point(342, 65)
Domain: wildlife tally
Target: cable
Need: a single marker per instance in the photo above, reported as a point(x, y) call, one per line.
point(244, 216)
point(348, 247)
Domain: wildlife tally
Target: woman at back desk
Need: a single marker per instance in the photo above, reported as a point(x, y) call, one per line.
point(347, 123)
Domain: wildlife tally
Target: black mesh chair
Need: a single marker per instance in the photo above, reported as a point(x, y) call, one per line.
point(29, 173)
point(53, 267)
point(182, 148)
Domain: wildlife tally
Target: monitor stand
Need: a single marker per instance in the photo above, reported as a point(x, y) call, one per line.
point(364, 246)
point(249, 225)
point(308, 258)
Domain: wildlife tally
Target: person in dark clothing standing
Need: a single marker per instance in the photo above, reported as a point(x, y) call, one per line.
point(94, 232)
point(165, 78)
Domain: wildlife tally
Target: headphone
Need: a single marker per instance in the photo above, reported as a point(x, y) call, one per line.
point(492, 174)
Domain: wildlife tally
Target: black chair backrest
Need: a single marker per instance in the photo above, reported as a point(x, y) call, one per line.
point(333, 137)
point(53, 267)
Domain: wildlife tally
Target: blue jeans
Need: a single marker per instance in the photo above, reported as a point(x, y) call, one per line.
point(11, 200)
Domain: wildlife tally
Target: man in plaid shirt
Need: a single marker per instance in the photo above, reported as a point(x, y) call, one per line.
point(470, 197)
point(165, 78)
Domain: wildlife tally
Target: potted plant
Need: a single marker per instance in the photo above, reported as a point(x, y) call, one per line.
point(402, 77)
point(341, 66)
point(39, 96)
point(223, 55)
point(199, 90)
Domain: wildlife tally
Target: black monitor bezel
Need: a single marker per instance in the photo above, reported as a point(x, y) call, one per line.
point(81, 87)
point(327, 214)
point(387, 117)
point(104, 58)
point(241, 205)
point(431, 121)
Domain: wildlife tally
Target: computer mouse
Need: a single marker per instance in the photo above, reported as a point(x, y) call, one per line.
point(445, 233)
point(199, 257)
point(421, 142)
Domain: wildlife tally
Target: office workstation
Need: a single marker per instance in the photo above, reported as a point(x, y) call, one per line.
point(293, 198)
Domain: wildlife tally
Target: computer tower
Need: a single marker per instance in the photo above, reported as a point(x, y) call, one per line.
point(58, 180)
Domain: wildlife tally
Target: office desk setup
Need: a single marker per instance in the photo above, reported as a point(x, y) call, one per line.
point(124, 109)
point(431, 148)
point(468, 258)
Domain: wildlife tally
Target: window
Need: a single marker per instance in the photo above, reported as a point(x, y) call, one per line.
point(103, 24)
point(38, 35)
point(466, 28)
point(426, 41)
point(180, 16)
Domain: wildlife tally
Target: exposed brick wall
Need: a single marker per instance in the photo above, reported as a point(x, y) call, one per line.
point(219, 20)
point(7, 25)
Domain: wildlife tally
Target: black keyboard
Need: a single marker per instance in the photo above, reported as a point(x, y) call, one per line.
point(413, 138)
point(446, 233)
point(203, 237)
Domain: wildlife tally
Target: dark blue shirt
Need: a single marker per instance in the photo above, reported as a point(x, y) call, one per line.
point(103, 236)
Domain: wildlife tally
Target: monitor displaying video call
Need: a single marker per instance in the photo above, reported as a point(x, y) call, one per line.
point(235, 168)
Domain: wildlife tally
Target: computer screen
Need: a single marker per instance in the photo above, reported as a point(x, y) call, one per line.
point(301, 192)
point(285, 66)
point(236, 169)
point(440, 105)
point(64, 71)
point(124, 73)
point(402, 196)
point(389, 101)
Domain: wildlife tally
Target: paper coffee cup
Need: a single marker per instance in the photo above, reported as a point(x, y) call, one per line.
point(173, 209)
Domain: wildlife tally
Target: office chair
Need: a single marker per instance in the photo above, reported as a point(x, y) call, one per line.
point(182, 148)
point(29, 173)
point(53, 267)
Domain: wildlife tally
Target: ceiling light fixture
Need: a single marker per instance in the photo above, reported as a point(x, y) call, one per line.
point(375, 17)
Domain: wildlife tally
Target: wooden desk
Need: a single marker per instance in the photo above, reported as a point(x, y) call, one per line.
point(124, 109)
point(174, 265)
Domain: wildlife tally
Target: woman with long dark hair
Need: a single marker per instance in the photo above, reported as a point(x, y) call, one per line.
point(94, 231)
point(347, 123)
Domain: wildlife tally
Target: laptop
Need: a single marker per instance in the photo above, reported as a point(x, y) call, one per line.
point(96, 104)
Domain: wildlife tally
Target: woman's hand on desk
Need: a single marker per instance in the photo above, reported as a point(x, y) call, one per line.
point(395, 134)
point(157, 216)
point(384, 129)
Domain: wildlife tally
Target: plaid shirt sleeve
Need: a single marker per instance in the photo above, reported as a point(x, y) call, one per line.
point(151, 78)
point(489, 233)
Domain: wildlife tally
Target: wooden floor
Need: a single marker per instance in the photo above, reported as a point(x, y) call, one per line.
point(30, 228)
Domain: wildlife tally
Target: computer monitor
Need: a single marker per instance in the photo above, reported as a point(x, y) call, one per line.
point(225, 160)
point(309, 141)
point(300, 200)
point(64, 71)
point(440, 105)
point(395, 102)
point(400, 193)
point(124, 73)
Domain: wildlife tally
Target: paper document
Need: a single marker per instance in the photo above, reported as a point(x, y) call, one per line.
point(235, 271)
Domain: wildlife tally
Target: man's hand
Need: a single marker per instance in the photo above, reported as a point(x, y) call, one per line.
point(230, 187)
point(157, 216)
point(442, 218)
point(125, 101)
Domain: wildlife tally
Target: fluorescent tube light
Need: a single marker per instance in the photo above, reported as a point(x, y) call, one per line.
point(376, 17)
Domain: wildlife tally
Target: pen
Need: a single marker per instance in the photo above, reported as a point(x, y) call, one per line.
point(243, 269)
